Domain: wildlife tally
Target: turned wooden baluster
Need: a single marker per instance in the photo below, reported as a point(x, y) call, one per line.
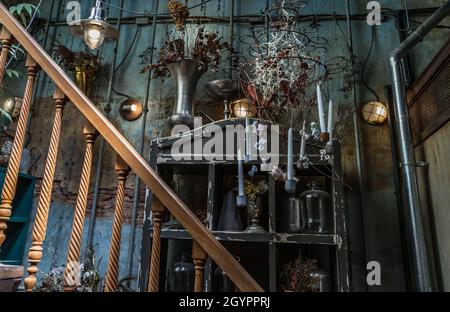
point(7, 41)
point(112, 275)
point(73, 257)
point(40, 222)
point(12, 172)
point(199, 257)
point(157, 218)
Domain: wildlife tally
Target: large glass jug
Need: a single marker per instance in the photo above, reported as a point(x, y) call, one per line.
point(315, 202)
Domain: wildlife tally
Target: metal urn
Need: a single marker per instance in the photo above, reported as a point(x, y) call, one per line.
point(186, 74)
point(315, 202)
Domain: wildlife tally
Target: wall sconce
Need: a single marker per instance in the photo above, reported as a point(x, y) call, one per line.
point(374, 113)
point(244, 108)
point(95, 30)
point(131, 109)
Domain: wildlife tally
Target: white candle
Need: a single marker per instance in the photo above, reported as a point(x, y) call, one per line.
point(240, 175)
point(303, 144)
point(290, 166)
point(330, 122)
point(321, 111)
point(248, 141)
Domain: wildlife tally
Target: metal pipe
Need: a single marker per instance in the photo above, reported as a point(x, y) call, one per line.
point(107, 111)
point(420, 266)
point(137, 183)
point(44, 44)
point(357, 133)
point(231, 38)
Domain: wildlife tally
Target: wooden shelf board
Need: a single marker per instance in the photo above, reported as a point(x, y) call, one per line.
point(279, 238)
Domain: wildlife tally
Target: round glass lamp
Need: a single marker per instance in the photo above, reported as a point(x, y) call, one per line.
point(244, 108)
point(375, 113)
point(95, 30)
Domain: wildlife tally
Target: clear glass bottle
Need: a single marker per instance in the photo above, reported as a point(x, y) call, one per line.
point(315, 202)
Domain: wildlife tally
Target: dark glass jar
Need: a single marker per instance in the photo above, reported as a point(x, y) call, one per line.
point(182, 276)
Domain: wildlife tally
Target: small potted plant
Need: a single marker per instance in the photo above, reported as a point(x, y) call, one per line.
point(83, 64)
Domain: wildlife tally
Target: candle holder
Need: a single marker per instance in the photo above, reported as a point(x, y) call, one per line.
point(255, 210)
point(325, 137)
point(290, 186)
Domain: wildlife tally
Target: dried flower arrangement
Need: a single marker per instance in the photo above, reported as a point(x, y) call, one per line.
point(296, 275)
point(254, 187)
point(90, 276)
point(179, 13)
point(206, 47)
point(70, 60)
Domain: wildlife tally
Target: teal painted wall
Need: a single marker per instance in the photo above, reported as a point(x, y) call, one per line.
point(382, 232)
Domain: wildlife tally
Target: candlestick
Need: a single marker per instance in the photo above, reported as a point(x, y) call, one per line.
point(290, 166)
point(330, 122)
point(303, 142)
point(241, 200)
point(321, 111)
point(248, 147)
point(240, 174)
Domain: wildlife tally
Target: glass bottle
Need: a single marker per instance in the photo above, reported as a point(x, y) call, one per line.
point(315, 202)
point(182, 275)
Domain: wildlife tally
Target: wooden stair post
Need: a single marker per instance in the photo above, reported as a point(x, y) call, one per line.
point(7, 41)
point(12, 172)
point(112, 275)
point(73, 257)
point(199, 256)
point(40, 222)
point(157, 218)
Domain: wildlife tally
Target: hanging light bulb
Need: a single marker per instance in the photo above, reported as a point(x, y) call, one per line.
point(95, 30)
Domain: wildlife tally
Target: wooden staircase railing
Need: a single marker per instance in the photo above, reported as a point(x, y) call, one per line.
point(129, 159)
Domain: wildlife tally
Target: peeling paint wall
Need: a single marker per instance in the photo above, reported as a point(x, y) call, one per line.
point(382, 232)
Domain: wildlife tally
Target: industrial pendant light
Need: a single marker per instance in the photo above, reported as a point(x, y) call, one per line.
point(95, 30)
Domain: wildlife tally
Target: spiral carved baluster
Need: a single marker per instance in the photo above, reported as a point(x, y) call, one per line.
point(12, 173)
point(111, 281)
point(40, 222)
point(157, 214)
point(7, 41)
point(199, 257)
point(72, 266)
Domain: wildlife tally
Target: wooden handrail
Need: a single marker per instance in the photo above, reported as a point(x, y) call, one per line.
point(240, 277)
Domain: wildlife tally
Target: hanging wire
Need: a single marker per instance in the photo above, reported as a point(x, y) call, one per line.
point(363, 68)
point(155, 14)
point(129, 49)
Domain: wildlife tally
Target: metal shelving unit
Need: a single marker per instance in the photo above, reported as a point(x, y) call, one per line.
point(334, 246)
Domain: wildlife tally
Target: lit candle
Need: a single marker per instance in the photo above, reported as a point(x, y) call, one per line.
point(290, 166)
point(240, 175)
point(303, 144)
point(330, 122)
point(321, 111)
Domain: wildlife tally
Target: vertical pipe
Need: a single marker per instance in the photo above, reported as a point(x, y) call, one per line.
point(231, 37)
point(420, 265)
point(107, 110)
point(357, 133)
point(137, 184)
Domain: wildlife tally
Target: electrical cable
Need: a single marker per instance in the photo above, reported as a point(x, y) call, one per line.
point(155, 14)
point(363, 68)
point(129, 49)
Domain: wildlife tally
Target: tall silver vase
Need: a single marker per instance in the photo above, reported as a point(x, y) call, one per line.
point(186, 74)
